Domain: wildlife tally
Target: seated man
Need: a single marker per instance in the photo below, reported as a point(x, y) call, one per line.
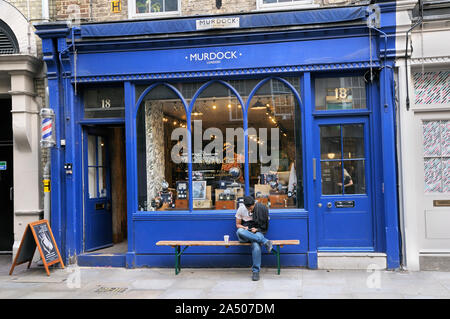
point(252, 222)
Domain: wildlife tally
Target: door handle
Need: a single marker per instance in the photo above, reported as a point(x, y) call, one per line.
point(319, 205)
point(314, 169)
point(329, 205)
point(11, 193)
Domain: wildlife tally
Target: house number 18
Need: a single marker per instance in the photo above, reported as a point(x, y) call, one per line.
point(106, 103)
point(341, 93)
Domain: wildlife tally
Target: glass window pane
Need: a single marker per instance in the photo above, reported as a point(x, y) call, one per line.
point(341, 93)
point(171, 5)
point(157, 6)
point(446, 175)
point(92, 181)
point(274, 136)
point(353, 139)
point(103, 102)
point(142, 6)
point(92, 142)
point(102, 182)
point(331, 177)
point(354, 177)
point(433, 175)
point(162, 152)
point(330, 142)
point(218, 149)
point(101, 151)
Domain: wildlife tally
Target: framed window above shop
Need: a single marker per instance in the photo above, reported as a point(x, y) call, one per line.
point(154, 8)
point(103, 102)
point(284, 4)
point(340, 94)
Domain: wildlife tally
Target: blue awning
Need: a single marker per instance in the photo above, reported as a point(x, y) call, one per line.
point(257, 20)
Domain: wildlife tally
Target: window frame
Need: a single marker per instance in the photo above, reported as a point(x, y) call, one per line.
point(188, 109)
point(303, 4)
point(133, 15)
point(425, 157)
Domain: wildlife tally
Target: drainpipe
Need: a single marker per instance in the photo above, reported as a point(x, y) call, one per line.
point(45, 10)
point(406, 51)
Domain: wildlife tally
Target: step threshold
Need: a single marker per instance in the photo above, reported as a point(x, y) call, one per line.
point(351, 261)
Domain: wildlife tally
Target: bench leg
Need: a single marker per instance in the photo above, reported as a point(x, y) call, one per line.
point(177, 260)
point(277, 253)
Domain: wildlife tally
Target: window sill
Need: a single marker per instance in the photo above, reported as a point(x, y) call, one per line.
point(285, 7)
point(213, 214)
point(158, 15)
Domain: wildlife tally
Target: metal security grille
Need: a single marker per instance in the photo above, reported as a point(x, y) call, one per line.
point(8, 42)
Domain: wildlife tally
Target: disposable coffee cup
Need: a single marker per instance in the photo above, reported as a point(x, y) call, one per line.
point(226, 237)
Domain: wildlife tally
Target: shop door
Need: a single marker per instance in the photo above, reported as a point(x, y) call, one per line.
point(6, 177)
point(97, 192)
point(342, 184)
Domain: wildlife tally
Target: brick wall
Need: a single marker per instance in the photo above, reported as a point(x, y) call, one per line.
point(100, 10)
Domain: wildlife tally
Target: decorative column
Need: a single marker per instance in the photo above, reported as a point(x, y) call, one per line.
point(26, 153)
point(154, 141)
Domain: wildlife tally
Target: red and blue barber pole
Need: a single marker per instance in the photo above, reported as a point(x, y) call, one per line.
point(47, 116)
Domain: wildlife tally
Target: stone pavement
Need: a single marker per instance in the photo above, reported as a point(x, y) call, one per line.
point(206, 283)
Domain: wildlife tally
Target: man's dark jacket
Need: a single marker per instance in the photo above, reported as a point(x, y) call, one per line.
point(260, 218)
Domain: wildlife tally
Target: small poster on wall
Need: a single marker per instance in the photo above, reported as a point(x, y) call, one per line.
point(199, 189)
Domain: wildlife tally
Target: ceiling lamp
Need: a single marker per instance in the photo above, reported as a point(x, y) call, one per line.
point(196, 111)
point(258, 105)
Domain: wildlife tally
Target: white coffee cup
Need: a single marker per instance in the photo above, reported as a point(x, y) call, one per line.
point(226, 238)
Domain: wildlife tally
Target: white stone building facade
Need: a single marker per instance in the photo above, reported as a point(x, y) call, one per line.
point(424, 132)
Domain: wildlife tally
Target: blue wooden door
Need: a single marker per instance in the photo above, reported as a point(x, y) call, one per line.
point(97, 192)
point(342, 177)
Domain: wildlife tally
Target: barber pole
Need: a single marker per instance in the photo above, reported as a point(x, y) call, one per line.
point(47, 116)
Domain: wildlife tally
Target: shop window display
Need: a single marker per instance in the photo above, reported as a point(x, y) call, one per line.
point(274, 121)
point(162, 182)
point(217, 140)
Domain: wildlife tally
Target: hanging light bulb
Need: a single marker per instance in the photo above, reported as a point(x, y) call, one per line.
point(214, 106)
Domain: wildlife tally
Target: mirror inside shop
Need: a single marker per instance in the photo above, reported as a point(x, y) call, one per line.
point(217, 146)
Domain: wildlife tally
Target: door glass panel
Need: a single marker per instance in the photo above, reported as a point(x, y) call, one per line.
point(351, 178)
point(353, 140)
point(330, 142)
point(92, 180)
point(354, 177)
point(331, 177)
point(91, 150)
point(102, 182)
point(100, 151)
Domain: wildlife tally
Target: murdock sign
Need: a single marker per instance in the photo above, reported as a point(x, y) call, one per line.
point(217, 23)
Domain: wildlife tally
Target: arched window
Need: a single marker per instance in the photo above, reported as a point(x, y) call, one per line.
point(275, 144)
point(218, 152)
point(8, 41)
point(161, 150)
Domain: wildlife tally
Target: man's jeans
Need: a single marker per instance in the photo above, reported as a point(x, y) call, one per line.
point(257, 239)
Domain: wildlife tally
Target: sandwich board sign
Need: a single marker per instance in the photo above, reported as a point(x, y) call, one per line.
point(38, 234)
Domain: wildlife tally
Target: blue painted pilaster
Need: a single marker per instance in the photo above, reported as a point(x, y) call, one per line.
point(130, 146)
point(308, 155)
point(389, 166)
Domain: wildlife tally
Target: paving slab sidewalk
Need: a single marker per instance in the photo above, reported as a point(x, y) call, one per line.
point(217, 283)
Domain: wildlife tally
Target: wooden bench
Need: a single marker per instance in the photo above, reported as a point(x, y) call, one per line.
point(177, 244)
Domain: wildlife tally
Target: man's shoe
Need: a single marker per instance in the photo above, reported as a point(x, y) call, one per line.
point(255, 276)
point(268, 245)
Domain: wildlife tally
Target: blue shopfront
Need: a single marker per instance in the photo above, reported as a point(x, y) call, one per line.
point(163, 125)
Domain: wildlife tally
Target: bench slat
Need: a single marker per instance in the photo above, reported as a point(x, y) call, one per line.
point(219, 243)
